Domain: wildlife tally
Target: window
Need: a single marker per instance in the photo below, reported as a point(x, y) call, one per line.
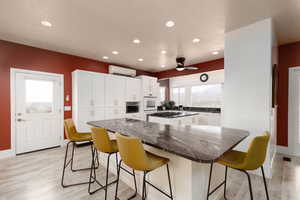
point(178, 95)
point(206, 95)
point(162, 91)
point(38, 96)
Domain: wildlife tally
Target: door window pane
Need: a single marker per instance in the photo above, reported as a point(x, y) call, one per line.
point(207, 96)
point(38, 96)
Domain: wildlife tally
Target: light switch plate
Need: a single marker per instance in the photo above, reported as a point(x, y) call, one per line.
point(68, 108)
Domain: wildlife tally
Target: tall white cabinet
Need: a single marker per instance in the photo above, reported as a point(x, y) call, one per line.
point(98, 96)
point(88, 98)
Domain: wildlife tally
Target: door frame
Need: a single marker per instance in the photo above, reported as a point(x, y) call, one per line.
point(293, 148)
point(13, 72)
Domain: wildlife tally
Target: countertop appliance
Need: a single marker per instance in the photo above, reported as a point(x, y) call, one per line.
point(132, 107)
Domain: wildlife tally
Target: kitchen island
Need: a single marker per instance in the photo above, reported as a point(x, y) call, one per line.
point(189, 149)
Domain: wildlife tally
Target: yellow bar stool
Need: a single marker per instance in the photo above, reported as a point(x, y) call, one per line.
point(134, 156)
point(74, 136)
point(102, 143)
point(253, 159)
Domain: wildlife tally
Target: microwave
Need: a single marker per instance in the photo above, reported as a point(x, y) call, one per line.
point(150, 103)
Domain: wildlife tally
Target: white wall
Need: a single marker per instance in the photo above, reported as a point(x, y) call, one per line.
point(215, 77)
point(248, 80)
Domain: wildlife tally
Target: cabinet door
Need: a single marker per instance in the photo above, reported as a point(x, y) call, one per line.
point(114, 91)
point(133, 89)
point(98, 90)
point(203, 119)
point(84, 89)
point(146, 87)
point(114, 113)
point(84, 116)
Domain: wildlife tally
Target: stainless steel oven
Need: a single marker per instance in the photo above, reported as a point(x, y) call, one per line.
point(132, 107)
point(149, 103)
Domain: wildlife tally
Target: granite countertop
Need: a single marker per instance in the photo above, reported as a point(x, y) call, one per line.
point(197, 143)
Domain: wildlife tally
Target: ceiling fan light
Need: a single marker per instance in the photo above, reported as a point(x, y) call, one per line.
point(179, 68)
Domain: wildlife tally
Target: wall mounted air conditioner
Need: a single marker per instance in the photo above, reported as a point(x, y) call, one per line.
point(121, 71)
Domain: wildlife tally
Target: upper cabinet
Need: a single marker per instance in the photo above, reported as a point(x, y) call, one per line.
point(150, 86)
point(133, 89)
point(115, 91)
point(88, 89)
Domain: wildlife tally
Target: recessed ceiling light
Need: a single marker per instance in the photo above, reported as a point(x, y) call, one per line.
point(170, 24)
point(163, 66)
point(215, 52)
point(115, 52)
point(163, 51)
point(46, 23)
point(141, 59)
point(196, 40)
point(105, 57)
point(136, 41)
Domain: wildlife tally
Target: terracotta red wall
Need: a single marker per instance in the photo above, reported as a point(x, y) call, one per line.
point(25, 57)
point(289, 56)
point(203, 67)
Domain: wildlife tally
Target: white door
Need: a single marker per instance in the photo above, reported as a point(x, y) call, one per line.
point(294, 111)
point(38, 111)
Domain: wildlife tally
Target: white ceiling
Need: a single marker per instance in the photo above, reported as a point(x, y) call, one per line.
point(94, 28)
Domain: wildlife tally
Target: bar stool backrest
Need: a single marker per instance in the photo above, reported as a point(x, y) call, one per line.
point(70, 129)
point(101, 140)
point(257, 151)
point(132, 152)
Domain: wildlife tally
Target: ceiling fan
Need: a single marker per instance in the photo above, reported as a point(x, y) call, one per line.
point(180, 65)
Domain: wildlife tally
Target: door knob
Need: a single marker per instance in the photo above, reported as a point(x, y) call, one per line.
point(21, 120)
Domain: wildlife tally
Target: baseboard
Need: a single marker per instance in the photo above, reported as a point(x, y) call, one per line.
point(284, 150)
point(7, 153)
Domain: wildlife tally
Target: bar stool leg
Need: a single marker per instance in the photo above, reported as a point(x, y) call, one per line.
point(144, 187)
point(226, 168)
point(265, 182)
point(118, 178)
point(169, 179)
point(209, 180)
point(135, 186)
point(65, 165)
point(249, 181)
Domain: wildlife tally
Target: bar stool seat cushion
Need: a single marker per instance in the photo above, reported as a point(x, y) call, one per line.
point(155, 161)
point(233, 159)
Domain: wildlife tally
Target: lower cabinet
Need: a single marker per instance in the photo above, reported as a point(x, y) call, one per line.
point(134, 116)
point(88, 114)
point(114, 113)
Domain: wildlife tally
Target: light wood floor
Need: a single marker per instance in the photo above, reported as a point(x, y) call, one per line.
point(36, 176)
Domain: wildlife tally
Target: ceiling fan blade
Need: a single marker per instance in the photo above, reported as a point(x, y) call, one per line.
point(191, 68)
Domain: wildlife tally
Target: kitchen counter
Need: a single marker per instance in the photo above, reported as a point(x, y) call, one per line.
point(196, 143)
point(189, 148)
point(172, 114)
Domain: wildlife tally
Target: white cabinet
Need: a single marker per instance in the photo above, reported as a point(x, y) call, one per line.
point(114, 113)
point(150, 86)
point(88, 98)
point(115, 91)
point(133, 89)
point(98, 96)
point(134, 116)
